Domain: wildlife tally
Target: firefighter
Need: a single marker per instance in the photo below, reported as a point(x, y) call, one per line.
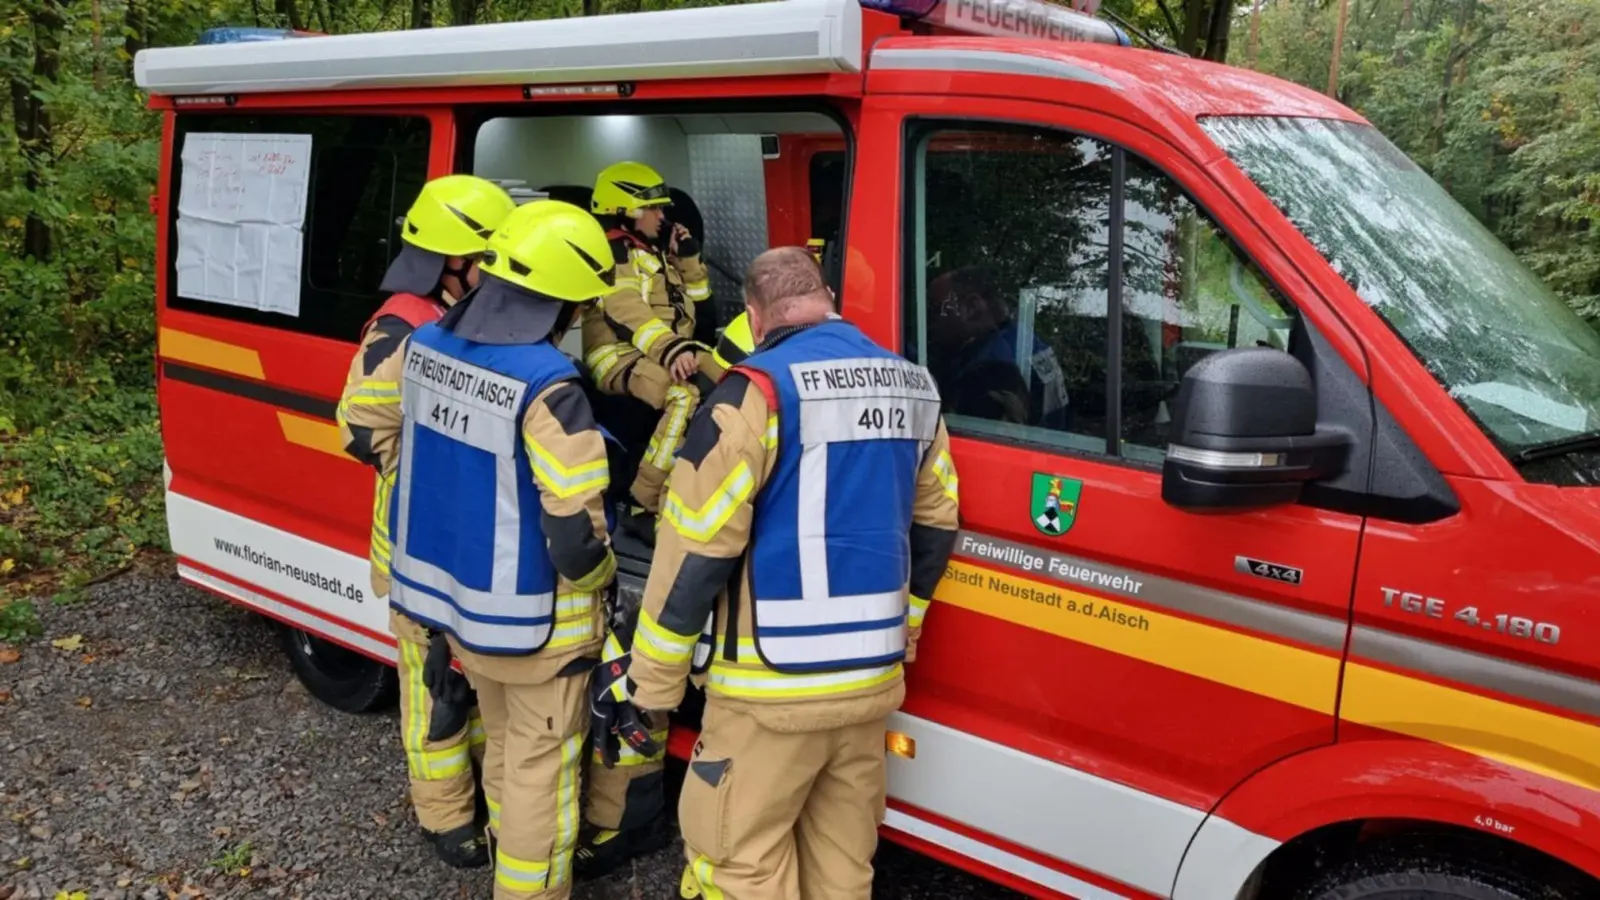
point(810, 515)
point(444, 234)
point(639, 340)
point(627, 792)
point(499, 525)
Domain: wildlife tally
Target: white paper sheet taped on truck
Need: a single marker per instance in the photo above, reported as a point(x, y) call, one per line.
point(241, 219)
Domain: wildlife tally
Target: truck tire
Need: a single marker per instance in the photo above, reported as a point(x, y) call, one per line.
point(343, 679)
point(1433, 870)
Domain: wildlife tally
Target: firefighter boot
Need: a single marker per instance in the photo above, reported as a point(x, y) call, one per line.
point(460, 848)
point(602, 851)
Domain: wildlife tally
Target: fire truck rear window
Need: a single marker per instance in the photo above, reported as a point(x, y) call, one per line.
point(365, 170)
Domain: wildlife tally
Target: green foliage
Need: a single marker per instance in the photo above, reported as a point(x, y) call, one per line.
point(1499, 101)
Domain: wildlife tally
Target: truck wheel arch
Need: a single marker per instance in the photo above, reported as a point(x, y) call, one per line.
point(1350, 791)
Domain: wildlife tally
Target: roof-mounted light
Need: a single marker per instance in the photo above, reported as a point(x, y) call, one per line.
point(231, 34)
point(1009, 18)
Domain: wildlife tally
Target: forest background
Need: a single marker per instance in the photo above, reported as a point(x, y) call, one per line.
point(1498, 99)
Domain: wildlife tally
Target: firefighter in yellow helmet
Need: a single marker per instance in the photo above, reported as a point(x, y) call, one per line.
point(809, 517)
point(443, 236)
point(626, 787)
point(499, 526)
point(639, 340)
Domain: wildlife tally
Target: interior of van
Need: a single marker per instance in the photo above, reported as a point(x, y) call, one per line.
point(741, 182)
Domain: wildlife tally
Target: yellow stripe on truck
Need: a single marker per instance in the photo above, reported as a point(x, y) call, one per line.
point(1519, 736)
point(181, 346)
point(1299, 677)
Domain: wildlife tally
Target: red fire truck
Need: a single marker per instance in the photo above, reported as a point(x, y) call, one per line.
point(1280, 569)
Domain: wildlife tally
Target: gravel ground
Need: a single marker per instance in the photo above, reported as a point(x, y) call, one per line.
point(161, 749)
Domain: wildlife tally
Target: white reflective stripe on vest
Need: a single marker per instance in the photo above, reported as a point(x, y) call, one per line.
point(886, 638)
point(477, 407)
point(893, 400)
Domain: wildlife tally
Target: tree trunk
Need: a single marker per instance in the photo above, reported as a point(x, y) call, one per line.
point(421, 13)
point(1194, 12)
point(1255, 32)
point(1457, 49)
point(1221, 27)
point(31, 120)
point(591, 7)
point(463, 12)
point(290, 14)
point(134, 33)
point(1400, 38)
point(1338, 49)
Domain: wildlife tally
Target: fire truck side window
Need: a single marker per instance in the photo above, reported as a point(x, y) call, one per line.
point(1187, 292)
point(1008, 287)
point(365, 170)
point(1008, 280)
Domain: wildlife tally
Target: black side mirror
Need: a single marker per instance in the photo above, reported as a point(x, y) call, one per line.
point(1245, 433)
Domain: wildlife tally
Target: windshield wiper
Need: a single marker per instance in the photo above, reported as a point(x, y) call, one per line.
point(1589, 440)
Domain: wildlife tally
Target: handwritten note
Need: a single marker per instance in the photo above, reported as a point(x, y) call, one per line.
point(241, 219)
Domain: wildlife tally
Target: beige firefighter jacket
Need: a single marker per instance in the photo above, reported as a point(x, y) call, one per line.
point(705, 529)
point(651, 313)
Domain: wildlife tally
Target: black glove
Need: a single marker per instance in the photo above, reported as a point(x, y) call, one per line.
point(453, 696)
point(613, 718)
point(688, 246)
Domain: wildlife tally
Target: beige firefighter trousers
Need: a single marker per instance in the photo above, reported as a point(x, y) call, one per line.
point(649, 382)
point(532, 766)
point(443, 786)
point(769, 815)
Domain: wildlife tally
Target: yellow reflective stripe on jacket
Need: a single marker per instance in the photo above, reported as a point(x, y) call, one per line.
point(769, 438)
point(660, 644)
point(574, 620)
point(600, 576)
point(649, 334)
point(754, 680)
point(602, 359)
point(698, 290)
point(703, 524)
point(560, 480)
point(494, 813)
point(944, 468)
point(919, 609)
point(476, 736)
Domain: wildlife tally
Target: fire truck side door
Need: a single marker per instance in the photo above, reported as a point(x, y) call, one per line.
point(1098, 668)
point(263, 503)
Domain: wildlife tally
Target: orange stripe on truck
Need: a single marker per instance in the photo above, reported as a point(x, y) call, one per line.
point(181, 346)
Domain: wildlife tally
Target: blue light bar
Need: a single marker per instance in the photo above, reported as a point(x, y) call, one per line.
point(1009, 18)
point(240, 34)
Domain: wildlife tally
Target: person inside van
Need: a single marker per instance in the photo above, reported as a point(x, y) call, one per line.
point(640, 339)
point(986, 366)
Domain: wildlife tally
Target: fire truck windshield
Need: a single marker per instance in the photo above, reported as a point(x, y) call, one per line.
point(1503, 344)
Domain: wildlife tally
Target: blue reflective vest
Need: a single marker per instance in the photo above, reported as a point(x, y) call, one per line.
point(830, 555)
point(469, 553)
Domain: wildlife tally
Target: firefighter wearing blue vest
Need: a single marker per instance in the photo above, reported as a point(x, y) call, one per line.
point(444, 233)
point(499, 528)
point(806, 523)
point(627, 788)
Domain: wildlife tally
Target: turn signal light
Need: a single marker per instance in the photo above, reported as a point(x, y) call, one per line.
point(902, 745)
